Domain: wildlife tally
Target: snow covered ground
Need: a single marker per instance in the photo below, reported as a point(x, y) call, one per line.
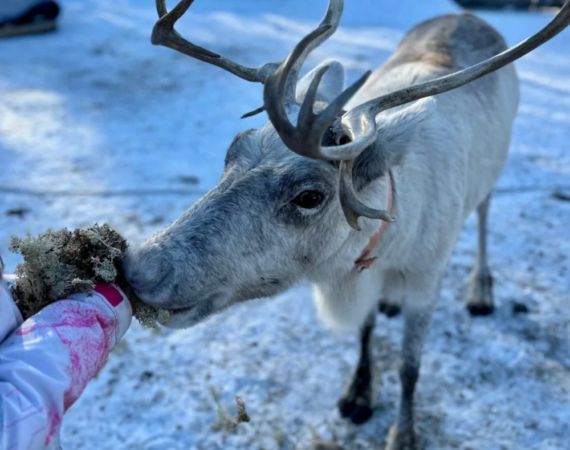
point(95, 109)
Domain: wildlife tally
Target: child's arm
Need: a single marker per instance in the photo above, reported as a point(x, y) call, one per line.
point(46, 362)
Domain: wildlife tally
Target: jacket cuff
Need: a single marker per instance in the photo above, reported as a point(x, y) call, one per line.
point(10, 316)
point(121, 306)
point(117, 303)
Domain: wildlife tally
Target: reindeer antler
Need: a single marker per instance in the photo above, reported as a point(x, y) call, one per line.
point(304, 139)
point(164, 34)
point(359, 124)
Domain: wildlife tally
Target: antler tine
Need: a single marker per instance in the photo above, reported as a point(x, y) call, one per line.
point(329, 22)
point(351, 206)
point(304, 139)
point(161, 8)
point(164, 34)
point(328, 26)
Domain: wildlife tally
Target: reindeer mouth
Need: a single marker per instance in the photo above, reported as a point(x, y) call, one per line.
point(183, 318)
point(197, 312)
point(182, 310)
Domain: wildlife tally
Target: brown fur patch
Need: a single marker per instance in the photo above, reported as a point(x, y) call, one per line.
point(449, 42)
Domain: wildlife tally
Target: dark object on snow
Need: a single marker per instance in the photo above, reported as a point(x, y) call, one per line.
point(520, 308)
point(40, 18)
point(327, 446)
point(189, 179)
point(480, 310)
point(513, 4)
point(18, 212)
point(562, 196)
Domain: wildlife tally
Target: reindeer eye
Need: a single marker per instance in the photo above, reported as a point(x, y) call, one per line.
point(309, 199)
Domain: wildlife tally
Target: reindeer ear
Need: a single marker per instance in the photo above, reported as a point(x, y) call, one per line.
point(331, 85)
point(398, 130)
point(398, 127)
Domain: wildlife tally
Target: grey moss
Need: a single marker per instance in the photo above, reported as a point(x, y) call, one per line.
point(59, 263)
point(149, 316)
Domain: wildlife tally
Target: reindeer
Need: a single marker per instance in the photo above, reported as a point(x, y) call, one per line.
point(300, 198)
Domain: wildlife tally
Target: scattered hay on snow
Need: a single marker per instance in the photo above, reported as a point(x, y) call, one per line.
point(225, 421)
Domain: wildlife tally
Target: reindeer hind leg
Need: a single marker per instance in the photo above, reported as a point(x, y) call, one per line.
point(480, 298)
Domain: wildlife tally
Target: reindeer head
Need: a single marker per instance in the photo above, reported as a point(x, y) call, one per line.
point(286, 207)
point(274, 218)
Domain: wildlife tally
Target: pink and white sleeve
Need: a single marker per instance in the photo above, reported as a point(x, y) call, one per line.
point(46, 362)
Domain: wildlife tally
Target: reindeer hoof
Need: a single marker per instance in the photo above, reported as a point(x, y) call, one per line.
point(356, 411)
point(405, 439)
point(389, 309)
point(355, 408)
point(480, 310)
point(480, 300)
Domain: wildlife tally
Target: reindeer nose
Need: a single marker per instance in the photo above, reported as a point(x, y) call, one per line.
point(148, 272)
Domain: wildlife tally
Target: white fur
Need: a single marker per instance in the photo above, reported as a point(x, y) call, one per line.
point(331, 84)
point(456, 149)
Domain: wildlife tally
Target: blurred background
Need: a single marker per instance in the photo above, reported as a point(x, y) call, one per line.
point(97, 125)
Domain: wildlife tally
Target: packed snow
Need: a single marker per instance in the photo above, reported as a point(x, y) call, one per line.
point(97, 125)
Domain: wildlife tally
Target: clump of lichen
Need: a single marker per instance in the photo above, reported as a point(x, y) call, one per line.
point(149, 316)
point(59, 263)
